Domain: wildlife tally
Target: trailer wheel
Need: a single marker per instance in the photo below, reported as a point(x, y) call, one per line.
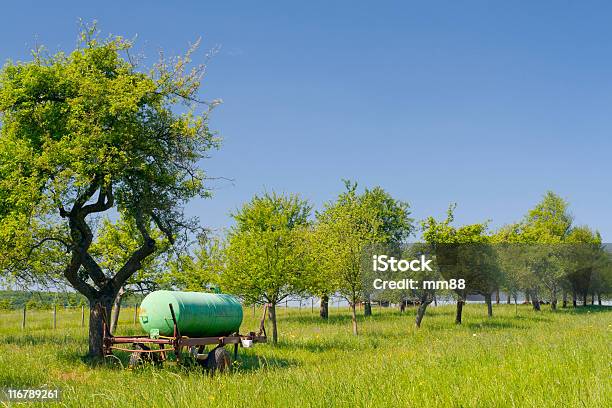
point(219, 359)
point(139, 358)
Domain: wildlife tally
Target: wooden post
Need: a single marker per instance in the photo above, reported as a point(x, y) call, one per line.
point(135, 314)
point(23, 321)
point(54, 316)
point(82, 315)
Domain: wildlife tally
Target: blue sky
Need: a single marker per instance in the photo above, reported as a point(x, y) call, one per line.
point(487, 104)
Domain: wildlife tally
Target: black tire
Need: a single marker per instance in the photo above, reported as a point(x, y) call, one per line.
point(138, 358)
point(219, 360)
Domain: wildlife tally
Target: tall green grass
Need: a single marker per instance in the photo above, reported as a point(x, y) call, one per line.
point(516, 359)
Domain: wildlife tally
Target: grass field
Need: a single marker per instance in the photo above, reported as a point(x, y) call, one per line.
point(515, 359)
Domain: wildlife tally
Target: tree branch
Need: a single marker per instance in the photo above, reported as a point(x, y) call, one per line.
point(134, 263)
point(105, 202)
point(163, 228)
point(94, 270)
point(71, 274)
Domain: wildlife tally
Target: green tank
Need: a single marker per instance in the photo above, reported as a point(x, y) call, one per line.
point(197, 314)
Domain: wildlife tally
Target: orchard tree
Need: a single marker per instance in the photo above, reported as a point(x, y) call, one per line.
point(394, 224)
point(464, 253)
point(544, 227)
point(319, 280)
point(266, 256)
point(546, 249)
point(87, 133)
point(419, 294)
point(510, 251)
point(344, 230)
point(586, 262)
point(389, 216)
point(198, 270)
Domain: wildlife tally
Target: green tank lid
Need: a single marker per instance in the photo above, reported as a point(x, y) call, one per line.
point(197, 314)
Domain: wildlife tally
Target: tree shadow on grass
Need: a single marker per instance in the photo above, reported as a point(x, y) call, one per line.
point(340, 318)
point(535, 317)
point(39, 340)
point(119, 361)
point(318, 345)
point(254, 362)
point(587, 309)
point(479, 323)
point(495, 325)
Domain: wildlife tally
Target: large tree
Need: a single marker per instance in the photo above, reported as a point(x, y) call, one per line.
point(87, 133)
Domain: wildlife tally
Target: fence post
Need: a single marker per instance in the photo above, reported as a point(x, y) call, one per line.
point(23, 321)
point(82, 315)
point(54, 316)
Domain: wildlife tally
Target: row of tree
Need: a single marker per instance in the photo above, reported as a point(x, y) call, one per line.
point(278, 250)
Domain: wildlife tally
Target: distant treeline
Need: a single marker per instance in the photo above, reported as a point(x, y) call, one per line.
point(13, 299)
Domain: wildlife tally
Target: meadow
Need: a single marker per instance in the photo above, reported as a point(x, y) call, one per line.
point(518, 358)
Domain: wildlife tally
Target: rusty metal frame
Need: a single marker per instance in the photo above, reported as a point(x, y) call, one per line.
point(177, 342)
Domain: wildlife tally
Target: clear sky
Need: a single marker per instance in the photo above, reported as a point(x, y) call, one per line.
point(487, 104)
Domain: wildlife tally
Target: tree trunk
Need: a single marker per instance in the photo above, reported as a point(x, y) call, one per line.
point(564, 299)
point(354, 318)
point(421, 312)
point(599, 298)
point(574, 299)
point(553, 298)
point(592, 298)
point(99, 310)
point(435, 301)
point(459, 311)
point(489, 302)
point(516, 303)
point(527, 296)
point(324, 308)
point(508, 297)
point(584, 299)
point(403, 306)
point(367, 308)
point(272, 317)
point(497, 296)
point(116, 310)
point(535, 301)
